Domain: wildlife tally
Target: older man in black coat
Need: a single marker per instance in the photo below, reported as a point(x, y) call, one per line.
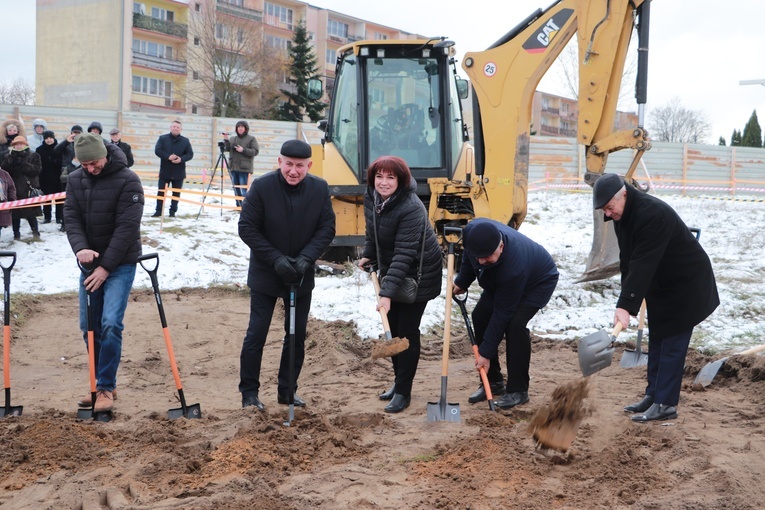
point(173, 151)
point(287, 221)
point(662, 262)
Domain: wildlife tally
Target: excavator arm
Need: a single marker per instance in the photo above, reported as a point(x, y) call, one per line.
point(505, 76)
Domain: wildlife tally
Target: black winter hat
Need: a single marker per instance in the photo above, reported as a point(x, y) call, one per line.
point(48, 134)
point(77, 128)
point(483, 239)
point(296, 149)
point(605, 188)
point(96, 125)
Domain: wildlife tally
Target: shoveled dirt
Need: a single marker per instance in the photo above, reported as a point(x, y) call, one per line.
point(342, 451)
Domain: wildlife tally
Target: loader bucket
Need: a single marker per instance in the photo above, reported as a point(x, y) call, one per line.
point(603, 261)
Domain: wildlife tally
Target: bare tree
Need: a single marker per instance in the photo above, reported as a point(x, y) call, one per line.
point(234, 72)
point(20, 92)
point(568, 69)
point(675, 123)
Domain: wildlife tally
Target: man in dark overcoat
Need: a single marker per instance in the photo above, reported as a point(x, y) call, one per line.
point(662, 262)
point(287, 221)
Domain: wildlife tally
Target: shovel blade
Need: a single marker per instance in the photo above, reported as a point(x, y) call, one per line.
point(708, 372)
point(89, 414)
point(190, 412)
point(632, 359)
point(442, 411)
point(594, 352)
point(11, 411)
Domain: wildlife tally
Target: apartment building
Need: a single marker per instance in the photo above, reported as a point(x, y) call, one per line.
point(553, 115)
point(149, 55)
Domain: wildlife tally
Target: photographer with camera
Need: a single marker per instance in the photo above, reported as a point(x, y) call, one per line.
point(173, 151)
point(243, 148)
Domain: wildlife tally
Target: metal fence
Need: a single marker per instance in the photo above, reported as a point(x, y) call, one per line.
point(555, 162)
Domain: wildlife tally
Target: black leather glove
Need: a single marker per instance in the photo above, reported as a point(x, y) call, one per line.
point(285, 270)
point(302, 265)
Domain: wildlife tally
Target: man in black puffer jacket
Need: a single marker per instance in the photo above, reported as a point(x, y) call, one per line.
point(103, 208)
point(287, 221)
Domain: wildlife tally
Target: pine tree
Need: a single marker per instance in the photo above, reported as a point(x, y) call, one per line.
point(735, 138)
point(721, 141)
point(303, 67)
point(752, 133)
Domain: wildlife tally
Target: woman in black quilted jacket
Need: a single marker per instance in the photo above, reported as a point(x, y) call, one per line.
point(397, 225)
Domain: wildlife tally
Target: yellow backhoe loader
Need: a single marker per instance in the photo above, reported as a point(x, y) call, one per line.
point(403, 98)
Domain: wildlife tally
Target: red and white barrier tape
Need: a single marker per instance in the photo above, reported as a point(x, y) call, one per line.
point(25, 202)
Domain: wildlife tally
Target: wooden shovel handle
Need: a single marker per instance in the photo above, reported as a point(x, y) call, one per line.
point(617, 329)
point(448, 311)
point(641, 317)
point(753, 350)
point(381, 310)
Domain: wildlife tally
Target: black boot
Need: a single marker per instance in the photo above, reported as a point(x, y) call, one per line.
point(497, 390)
point(398, 403)
point(640, 407)
point(657, 412)
point(387, 395)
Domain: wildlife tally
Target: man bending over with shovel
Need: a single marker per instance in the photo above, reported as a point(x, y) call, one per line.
point(662, 262)
point(518, 277)
point(287, 221)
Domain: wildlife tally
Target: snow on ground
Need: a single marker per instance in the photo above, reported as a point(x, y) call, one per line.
point(206, 251)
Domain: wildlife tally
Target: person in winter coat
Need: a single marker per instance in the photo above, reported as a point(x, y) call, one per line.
point(95, 127)
point(103, 209)
point(24, 167)
point(662, 262)
point(287, 221)
point(10, 129)
point(399, 238)
point(36, 138)
point(116, 137)
point(7, 194)
point(518, 277)
point(65, 149)
point(243, 148)
point(50, 175)
point(173, 151)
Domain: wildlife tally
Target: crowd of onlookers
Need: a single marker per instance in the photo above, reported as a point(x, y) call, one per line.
point(38, 163)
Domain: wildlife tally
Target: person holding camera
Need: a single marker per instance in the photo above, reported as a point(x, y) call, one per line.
point(173, 151)
point(243, 148)
point(287, 221)
point(400, 239)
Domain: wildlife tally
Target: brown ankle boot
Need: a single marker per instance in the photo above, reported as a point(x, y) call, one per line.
point(104, 401)
point(86, 402)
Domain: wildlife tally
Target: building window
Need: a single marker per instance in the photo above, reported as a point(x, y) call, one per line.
point(139, 8)
point(331, 57)
point(380, 37)
point(278, 42)
point(152, 48)
point(277, 15)
point(337, 29)
point(162, 14)
point(198, 7)
point(152, 86)
point(221, 31)
point(195, 75)
point(197, 41)
point(194, 109)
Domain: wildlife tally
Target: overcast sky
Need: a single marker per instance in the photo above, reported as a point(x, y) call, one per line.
point(699, 49)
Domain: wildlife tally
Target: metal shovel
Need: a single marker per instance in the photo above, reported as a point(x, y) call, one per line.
point(709, 371)
point(91, 414)
point(471, 335)
point(8, 409)
point(291, 371)
point(636, 358)
point(441, 410)
point(596, 350)
point(185, 411)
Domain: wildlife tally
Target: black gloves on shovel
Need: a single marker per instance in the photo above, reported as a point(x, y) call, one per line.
point(286, 271)
point(302, 264)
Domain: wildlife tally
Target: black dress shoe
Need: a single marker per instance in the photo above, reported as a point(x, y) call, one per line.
point(156, 215)
point(640, 407)
point(387, 395)
point(656, 412)
point(497, 390)
point(513, 399)
point(46, 220)
point(253, 401)
point(284, 399)
point(398, 404)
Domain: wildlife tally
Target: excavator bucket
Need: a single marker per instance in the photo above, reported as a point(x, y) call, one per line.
point(603, 261)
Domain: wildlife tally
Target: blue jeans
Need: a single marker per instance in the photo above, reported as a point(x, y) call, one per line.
point(239, 179)
point(107, 308)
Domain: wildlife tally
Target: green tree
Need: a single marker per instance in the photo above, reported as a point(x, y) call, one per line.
point(752, 133)
point(735, 138)
point(303, 67)
point(721, 141)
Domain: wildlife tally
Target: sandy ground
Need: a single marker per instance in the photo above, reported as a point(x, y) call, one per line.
point(342, 451)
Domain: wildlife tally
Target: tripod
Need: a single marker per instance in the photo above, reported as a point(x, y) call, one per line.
point(220, 164)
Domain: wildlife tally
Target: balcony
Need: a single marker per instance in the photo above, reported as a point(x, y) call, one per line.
point(159, 63)
point(339, 40)
point(548, 130)
point(551, 110)
point(568, 132)
point(158, 25)
point(239, 12)
point(275, 21)
point(354, 38)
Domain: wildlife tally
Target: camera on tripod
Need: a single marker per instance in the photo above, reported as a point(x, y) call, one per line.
point(221, 146)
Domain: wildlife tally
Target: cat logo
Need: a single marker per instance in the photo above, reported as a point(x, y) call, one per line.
point(541, 39)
